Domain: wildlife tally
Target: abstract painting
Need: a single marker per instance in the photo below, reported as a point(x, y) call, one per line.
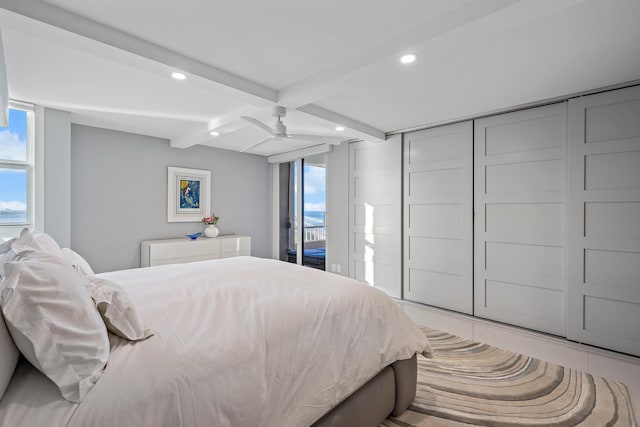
point(187, 194)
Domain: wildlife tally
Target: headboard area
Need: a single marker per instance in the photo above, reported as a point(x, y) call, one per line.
point(9, 355)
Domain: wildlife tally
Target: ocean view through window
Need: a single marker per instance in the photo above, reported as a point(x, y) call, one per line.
point(16, 171)
point(314, 234)
point(13, 188)
point(314, 218)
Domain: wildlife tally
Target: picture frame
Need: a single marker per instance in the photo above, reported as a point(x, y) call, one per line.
point(188, 192)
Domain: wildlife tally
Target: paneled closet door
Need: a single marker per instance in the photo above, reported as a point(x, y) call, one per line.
point(375, 214)
point(604, 206)
point(519, 232)
point(438, 217)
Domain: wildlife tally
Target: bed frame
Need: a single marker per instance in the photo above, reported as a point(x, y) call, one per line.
point(390, 392)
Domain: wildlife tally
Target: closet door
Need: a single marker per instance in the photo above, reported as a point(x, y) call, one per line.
point(375, 181)
point(438, 217)
point(604, 207)
point(519, 226)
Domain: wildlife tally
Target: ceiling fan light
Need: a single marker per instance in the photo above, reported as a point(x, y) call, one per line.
point(214, 133)
point(409, 58)
point(339, 128)
point(178, 76)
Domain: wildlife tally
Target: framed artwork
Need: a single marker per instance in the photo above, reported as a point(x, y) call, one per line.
point(188, 194)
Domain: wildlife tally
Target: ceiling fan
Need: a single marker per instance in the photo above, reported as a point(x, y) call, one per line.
point(279, 131)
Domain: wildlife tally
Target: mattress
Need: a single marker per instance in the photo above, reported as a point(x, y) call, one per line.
point(239, 341)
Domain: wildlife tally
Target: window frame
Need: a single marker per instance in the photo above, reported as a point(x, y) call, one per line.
point(297, 159)
point(30, 165)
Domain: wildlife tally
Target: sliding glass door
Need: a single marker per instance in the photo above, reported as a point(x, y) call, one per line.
point(302, 211)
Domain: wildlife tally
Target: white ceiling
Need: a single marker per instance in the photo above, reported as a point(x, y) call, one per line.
point(331, 62)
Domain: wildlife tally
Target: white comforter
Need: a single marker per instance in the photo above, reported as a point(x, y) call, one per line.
point(238, 342)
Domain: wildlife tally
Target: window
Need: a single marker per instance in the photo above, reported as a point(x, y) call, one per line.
point(17, 170)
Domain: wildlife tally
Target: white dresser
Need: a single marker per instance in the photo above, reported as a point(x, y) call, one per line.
point(176, 251)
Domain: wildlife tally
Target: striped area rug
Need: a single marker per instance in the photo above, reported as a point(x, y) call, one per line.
point(468, 383)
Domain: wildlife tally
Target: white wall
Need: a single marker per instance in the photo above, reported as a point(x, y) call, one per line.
point(119, 194)
point(338, 209)
point(57, 173)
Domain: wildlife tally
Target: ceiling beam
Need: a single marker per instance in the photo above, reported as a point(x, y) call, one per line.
point(370, 133)
point(231, 120)
point(290, 156)
point(224, 124)
point(94, 30)
point(198, 135)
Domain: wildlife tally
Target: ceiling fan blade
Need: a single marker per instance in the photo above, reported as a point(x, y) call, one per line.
point(255, 145)
point(258, 123)
point(318, 138)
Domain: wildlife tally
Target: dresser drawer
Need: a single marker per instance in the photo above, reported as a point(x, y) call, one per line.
point(181, 260)
point(239, 244)
point(184, 249)
point(175, 251)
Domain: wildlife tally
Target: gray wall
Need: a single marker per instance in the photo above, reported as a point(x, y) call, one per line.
point(338, 208)
point(119, 194)
point(57, 172)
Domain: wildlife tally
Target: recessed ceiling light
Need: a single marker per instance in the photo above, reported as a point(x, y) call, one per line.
point(214, 133)
point(409, 58)
point(178, 76)
point(339, 128)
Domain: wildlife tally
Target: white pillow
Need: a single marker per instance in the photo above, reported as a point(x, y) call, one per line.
point(27, 243)
point(77, 262)
point(117, 310)
point(6, 255)
point(35, 242)
point(9, 355)
point(5, 245)
point(54, 323)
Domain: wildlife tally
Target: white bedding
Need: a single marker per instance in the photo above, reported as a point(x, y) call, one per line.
point(238, 342)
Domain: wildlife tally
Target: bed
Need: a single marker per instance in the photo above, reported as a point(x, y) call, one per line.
point(239, 342)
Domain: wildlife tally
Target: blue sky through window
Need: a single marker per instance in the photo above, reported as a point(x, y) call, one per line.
point(314, 188)
point(18, 124)
point(314, 195)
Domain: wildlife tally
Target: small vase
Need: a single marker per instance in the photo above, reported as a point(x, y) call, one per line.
point(211, 231)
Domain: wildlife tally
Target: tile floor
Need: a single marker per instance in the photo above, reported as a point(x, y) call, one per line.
point(552, 349)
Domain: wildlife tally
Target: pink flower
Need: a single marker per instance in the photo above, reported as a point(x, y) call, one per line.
point(211, 220)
